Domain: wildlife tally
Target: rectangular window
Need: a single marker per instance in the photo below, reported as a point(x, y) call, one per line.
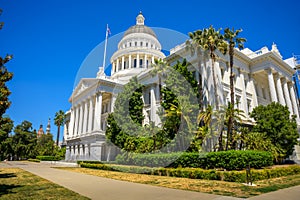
point(141, 63)
point(134, 63)
point(249, 105)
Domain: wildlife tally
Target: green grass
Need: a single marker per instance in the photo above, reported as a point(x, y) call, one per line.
point(197, 185)
point(18, 184)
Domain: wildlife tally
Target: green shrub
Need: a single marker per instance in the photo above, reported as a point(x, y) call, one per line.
point(48, 158)
point(197, 173)
point(33, 160)
point(229, 160)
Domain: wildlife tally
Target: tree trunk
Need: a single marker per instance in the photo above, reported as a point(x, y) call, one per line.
point(200, 88)
point(231, 107)
point(58, 132)
point(213, 59)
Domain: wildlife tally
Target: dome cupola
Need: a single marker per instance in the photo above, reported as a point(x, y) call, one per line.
point(137, 50)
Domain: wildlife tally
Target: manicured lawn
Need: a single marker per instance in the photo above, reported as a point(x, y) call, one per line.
point(18, 184)
point(207, 186)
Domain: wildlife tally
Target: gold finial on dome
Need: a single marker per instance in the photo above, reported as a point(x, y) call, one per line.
point(140, 19)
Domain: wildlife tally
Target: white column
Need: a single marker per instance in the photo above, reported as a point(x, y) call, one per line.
point(272, 86)
point(117, 65)
point(137, 61)
point(287, 96)
point(113, 100)
point(157, 93)
point(76, 119)
point(244, 96)
point(293, 98)
point(145, 61)
point(152, 59)
point(98, 108)
point(279, 90)
point(85, 116)
point(80, 119)
point(123, 64)
point(113, 68)
point(129, 62)
point(153, 103)
point(71, 126)
point(67, 156)
point(90, 122)
point(254, 92)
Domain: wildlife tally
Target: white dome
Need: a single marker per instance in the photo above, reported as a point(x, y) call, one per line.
point(136, 51)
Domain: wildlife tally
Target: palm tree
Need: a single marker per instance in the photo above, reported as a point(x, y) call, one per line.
point(211, 40)
point(237, 115)
point(160, 68)
point(59, 121)
point(231, 36)
point(194, 47)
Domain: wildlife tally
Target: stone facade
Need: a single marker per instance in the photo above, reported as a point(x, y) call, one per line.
point(261, 77)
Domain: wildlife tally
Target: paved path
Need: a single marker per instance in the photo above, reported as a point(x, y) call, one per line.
point(103, 188)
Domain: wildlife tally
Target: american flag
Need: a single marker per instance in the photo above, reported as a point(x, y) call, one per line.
point(108, 30)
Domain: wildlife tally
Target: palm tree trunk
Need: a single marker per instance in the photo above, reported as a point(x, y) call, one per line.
point(230, 119)
point(214, 80)
point(200, 88)
point(58, 132)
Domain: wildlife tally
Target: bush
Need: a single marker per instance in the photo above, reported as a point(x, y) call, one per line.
point(33, 160)
point(229, 160)
point(48, 158)
point(197, 173)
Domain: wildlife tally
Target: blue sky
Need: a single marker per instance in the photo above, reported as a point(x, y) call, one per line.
point(50, 39)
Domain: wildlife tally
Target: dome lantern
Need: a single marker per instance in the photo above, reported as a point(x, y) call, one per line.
point(140, 19)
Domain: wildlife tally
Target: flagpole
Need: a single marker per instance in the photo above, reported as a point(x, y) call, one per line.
point(106, 37)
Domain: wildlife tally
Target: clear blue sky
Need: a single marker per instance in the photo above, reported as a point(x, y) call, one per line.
point(51, 38)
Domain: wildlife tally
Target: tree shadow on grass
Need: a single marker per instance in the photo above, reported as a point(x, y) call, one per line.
point(7, 189)
point(8, 175)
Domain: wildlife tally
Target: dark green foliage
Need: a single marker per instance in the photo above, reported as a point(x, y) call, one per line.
point(125, 123)
point(48, 158)
point(24, 141)
point(59, 120)
point(274, 120)
point(229, 160)
point(179, 102)
point(237, 160)
point(197, 173)
point(33, 160)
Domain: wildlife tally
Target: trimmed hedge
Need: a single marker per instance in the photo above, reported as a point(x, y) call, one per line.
point(229, 160)
point(33, 160)
point(197, 173)
point(48, 158)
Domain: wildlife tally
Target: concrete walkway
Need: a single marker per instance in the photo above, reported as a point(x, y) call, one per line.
point(103, 188)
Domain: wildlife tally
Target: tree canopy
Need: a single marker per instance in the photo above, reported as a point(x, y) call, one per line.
point(274, 120)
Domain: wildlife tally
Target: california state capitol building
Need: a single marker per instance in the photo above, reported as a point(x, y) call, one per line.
point(261, 77)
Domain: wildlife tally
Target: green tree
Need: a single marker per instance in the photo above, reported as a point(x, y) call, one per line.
point(45, 145)
point(6, 123)
point(24, 141)
point(210, 39)
point(125, 124)
point(6, 127)
point(160, 68)
point(274, 120)
point(194, 47)
point(180, 104)
point(59, 120)
point(231, 36)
